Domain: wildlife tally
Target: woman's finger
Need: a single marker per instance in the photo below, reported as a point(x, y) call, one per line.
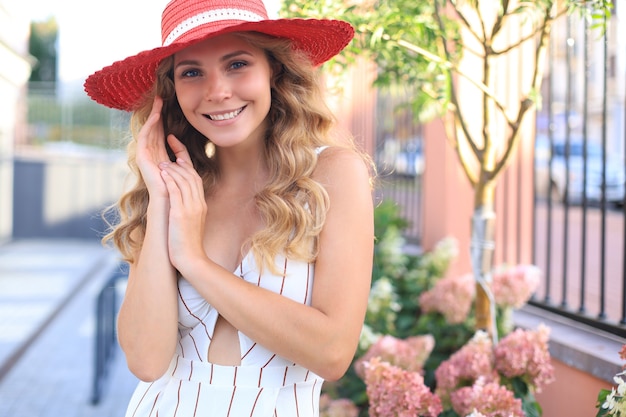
point(151, 150)
point(153, 119)
point(187, 180)
point(157, 105)
point(192, 177)
point(179, 149)
point(173, 176)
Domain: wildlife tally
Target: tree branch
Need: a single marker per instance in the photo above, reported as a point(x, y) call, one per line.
point(467, 24)
point(527, 103)
point(451, 67)
point(539, 30)
point(453, 98)
point(499, 23)
point(453, 138)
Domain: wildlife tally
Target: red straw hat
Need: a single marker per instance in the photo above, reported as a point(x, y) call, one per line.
point(123, 84)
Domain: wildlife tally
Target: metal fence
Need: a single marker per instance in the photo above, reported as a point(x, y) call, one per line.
point(399, 156)
point(580, 171)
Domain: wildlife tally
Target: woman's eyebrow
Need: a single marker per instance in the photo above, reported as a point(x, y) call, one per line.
point(226, 57)
point(234, 54)
point(192, 62)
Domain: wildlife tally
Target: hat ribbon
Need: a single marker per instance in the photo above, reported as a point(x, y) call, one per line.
point(210, 17)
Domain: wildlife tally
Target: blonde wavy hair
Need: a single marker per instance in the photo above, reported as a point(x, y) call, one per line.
point(293, 205)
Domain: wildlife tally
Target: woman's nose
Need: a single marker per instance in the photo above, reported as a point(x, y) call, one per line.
point(217, 88)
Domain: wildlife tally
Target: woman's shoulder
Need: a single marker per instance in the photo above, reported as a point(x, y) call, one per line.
point(336, 162)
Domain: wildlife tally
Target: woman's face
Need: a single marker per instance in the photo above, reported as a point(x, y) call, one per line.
point(223, 88)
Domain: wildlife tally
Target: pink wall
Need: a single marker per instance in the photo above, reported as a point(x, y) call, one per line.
point(449, 200)
point(573, 394)
point(352, 99)
point(447, 197)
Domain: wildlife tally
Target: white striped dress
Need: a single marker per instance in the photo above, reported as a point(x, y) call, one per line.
point(264, 385)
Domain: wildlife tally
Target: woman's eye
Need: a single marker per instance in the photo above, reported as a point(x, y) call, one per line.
point(190, 73)
point(238, 64)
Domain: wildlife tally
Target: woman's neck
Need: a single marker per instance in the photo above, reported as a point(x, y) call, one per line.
point(241, 167)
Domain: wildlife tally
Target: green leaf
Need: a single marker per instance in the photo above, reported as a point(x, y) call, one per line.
point(601, 399)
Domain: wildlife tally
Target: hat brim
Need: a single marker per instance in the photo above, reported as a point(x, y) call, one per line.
point(123, 84)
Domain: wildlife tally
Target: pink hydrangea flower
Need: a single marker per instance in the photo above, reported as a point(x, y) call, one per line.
point(490, 399)
point(473, 361)
point(409, 354)
point(524, 353)
point(513, 287)
point(476, 413)
point(451, 296)
point(341, 407)
point(394, 392)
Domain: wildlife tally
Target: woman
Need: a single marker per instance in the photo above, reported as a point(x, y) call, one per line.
point(249, 231)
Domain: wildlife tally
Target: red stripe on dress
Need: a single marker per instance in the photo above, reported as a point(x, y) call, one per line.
point(269, 360)
point(260, 377)
point(211, 378)
point(230, 406)
point(142, 398)
point(195, 409)
point(256, 400)
point(190, 370)
point(249, 350)
point(180, 344)
point(285, 375)
point(306, 290)
point(196, 347)
point(282, 286)
point(154, 405)
point(295, 395)
point(175, 366)
point(206, 330)
point(180, 384)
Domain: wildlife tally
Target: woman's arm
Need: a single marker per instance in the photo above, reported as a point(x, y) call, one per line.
point(321, 337)
point(148, 317)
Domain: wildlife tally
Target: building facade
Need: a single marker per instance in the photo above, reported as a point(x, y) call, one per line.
point(14, 74)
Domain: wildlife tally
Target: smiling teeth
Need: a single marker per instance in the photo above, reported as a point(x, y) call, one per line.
point(226, 116)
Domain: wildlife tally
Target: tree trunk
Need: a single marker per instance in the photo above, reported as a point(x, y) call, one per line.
point(482, 248)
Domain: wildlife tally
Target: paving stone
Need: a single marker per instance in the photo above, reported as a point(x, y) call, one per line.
point(53, 377)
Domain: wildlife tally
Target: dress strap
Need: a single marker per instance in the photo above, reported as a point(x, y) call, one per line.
point(320, 149)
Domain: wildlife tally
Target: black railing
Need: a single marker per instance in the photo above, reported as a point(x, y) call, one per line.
point(580, 211)
point(105, 344)
point(400, 159)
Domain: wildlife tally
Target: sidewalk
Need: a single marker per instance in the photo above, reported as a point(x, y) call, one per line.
point(48, 291)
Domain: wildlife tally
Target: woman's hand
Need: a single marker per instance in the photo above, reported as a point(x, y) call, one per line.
point(187, 206)
point(151, 151)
